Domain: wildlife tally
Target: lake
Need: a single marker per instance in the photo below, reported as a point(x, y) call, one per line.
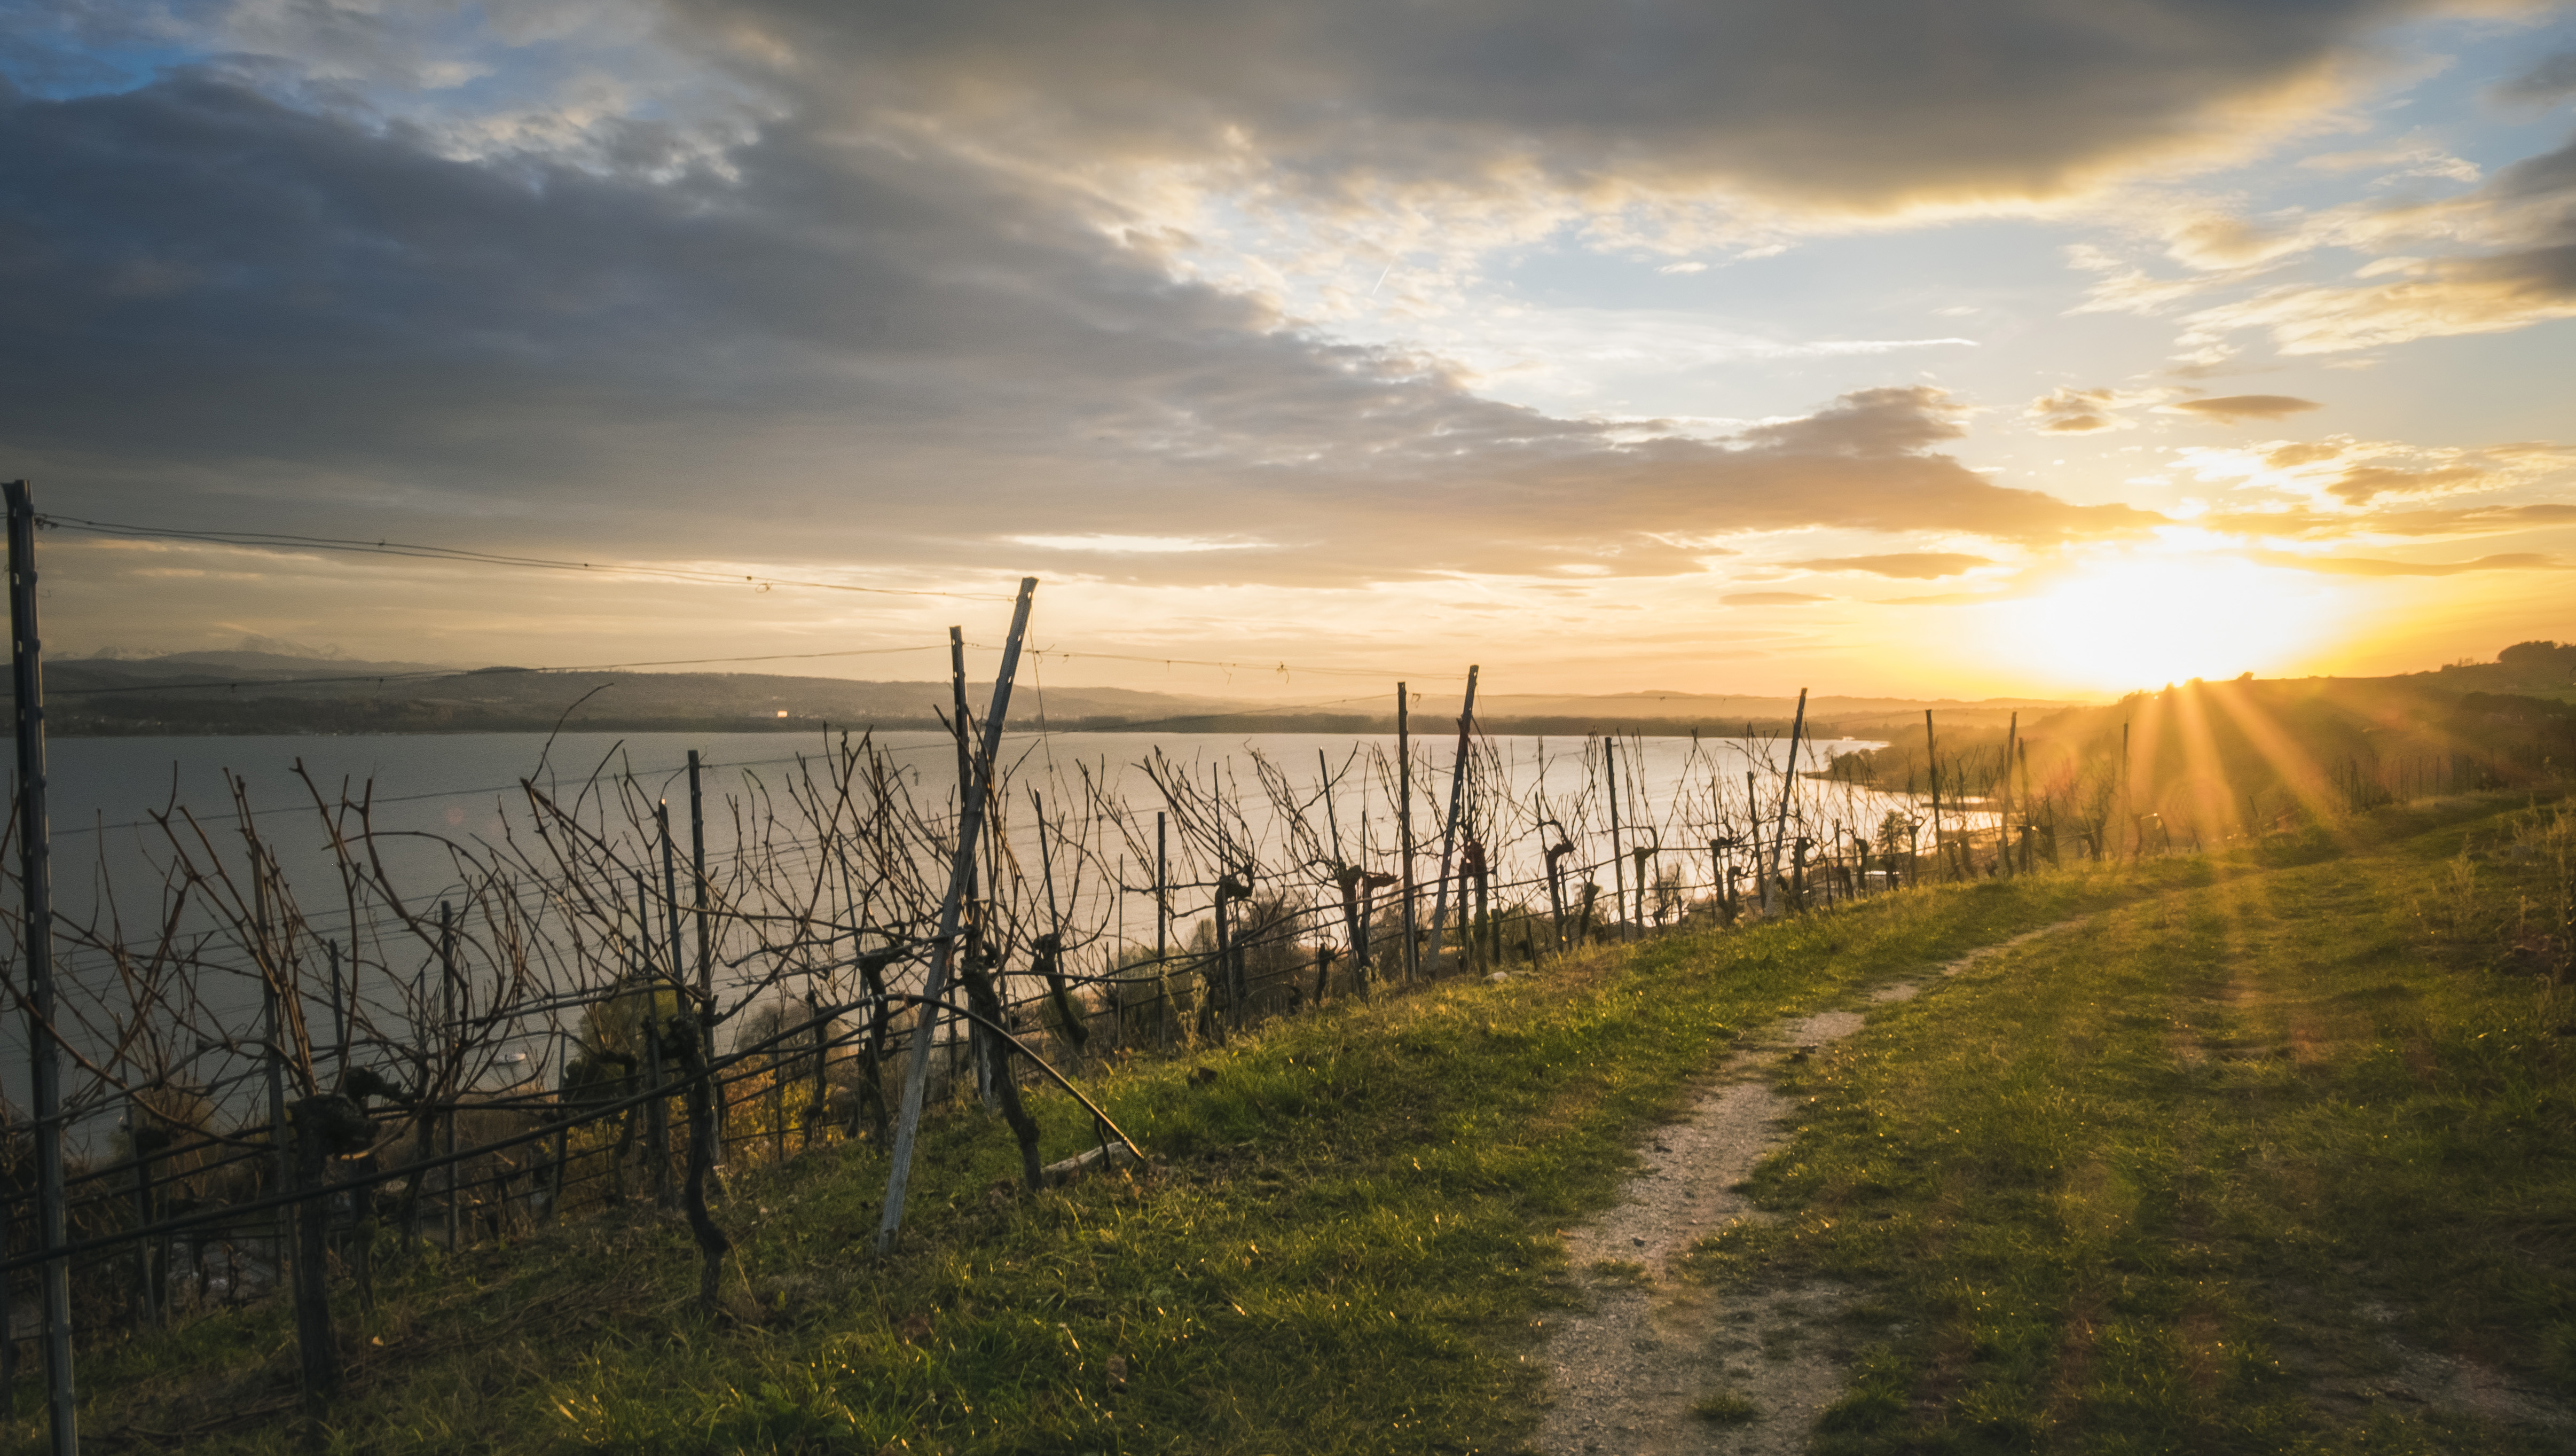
point(1290, 805)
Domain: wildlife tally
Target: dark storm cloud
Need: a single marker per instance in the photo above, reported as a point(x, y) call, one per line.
point(221, 304)
point(1850, 105)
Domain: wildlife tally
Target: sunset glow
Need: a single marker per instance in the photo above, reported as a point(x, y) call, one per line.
point(2131, 621)
point(2014, 348)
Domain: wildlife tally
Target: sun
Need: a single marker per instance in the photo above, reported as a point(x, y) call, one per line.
point(2135, 620)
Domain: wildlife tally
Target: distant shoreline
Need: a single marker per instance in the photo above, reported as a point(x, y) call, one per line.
point(1424, 726)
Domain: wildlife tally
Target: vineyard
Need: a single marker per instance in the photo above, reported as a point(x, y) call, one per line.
point(649, 986)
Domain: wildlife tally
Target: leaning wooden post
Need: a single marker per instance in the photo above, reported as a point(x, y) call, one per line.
point(1788, 786)
point(35, 871)
point(1449, 832)
point(916, 1084)
point(1932, 764)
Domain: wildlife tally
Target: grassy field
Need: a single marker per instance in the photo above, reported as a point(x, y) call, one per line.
point(2173, 1180)
point(2279, 1163)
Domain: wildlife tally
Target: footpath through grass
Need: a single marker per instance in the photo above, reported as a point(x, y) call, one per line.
point(1342, 1245)
point(2282, 1162)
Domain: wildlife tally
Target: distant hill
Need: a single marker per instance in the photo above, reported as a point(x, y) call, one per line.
point(266, 692)
point(2218, 759)
point(2531, 669)
point(258, 692)
point(1850, 717)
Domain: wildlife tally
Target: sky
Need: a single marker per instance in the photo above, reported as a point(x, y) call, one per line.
point(1987, 347)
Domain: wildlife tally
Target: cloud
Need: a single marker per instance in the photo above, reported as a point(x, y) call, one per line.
point(2454, 523)
point(2524, 220)
point(2366, 566)
point(2363, 483)
point(2236, 408)
point(1135, 545)
point(277, 313)
point(2398, 162)
point(2309, 453)
point(2069, 411)
point(1772, 599)
point(2552, 78)
point(1847, 109)
point(1908, 565)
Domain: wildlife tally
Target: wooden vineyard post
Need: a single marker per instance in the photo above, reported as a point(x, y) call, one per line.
point(1346, 878)
point(1752, 820)
point(916, 1084)
point(698, 873)
point(1788, 787)
point(144, 1139)
point(1449, 831)
point(1404, 826)
point(2003, 821)
point(317, 1348)
point(2126, 807)
point(281, 1145)
point(2021, 764)
point(706, 942)
point(8, 1305)
point(1618, 845)
point(44, 1068)
point(454, 1031)
point(657, 1113)
point(981, 1051)
point(1162, 926)
point(821, 1090)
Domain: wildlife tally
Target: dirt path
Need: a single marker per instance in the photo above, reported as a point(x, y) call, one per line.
point(1631, 1372)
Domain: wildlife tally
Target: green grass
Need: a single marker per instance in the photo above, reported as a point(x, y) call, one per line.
point(2169, 1181)
point(1344, 1244)
point(2200, 1175)
point(1726, 1410)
